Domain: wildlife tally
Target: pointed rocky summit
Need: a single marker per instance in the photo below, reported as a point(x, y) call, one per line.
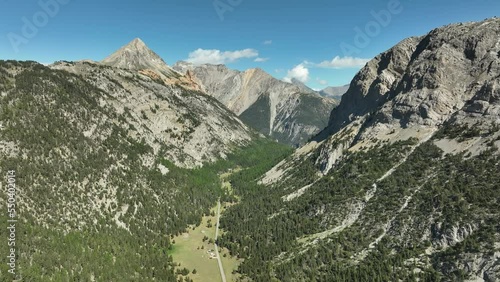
point(137, 56)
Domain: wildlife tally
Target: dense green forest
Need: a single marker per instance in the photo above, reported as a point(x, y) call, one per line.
point(108, 253)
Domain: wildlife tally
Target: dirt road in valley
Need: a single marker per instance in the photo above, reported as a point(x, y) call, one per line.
point(222, 274)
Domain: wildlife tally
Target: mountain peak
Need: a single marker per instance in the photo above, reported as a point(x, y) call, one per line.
point(301, 85)
point(137, 44)
point(334, 92)
point(137, 40)
point(136, 55)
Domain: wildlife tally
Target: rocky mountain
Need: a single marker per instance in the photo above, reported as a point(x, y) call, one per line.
point(402, 185)
point(162, 105)
point(334, 92)
point(137, 56)
point(111, 161)
point(283, 111)
point(303, 87)
point(195, 127)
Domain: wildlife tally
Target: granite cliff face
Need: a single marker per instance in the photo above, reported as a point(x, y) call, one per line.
point(280, 110)
point(407, 169)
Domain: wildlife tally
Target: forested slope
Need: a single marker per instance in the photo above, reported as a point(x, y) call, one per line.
point(95, 200)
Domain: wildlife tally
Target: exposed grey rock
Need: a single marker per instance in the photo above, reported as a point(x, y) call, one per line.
point(451, 74)
point(137, 56)
point(334, 92)
point(369, 88)
point(301, 85)
point(195, 128)
point(283, 111)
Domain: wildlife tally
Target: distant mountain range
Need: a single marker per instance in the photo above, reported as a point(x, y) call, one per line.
point(287, 112)
point(334, 92)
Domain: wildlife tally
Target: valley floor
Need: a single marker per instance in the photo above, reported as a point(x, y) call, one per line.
point(192, 252)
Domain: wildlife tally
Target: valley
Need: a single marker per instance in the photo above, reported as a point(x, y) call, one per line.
point(197, 249)
point(103, 187)
point(128, 169)
point(190, 250)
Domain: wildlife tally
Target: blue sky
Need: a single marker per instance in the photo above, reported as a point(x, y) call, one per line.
point(319, 42)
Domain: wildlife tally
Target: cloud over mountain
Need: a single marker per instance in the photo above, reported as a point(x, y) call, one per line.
point(214, 56)
point(341, 63)
point(299, 72)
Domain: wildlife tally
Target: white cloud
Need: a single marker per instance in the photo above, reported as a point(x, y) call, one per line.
point(322, 81)
point(261, 60)
point(343, 63)
point(202, 56)
point(267, 42)
point(299, 72)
